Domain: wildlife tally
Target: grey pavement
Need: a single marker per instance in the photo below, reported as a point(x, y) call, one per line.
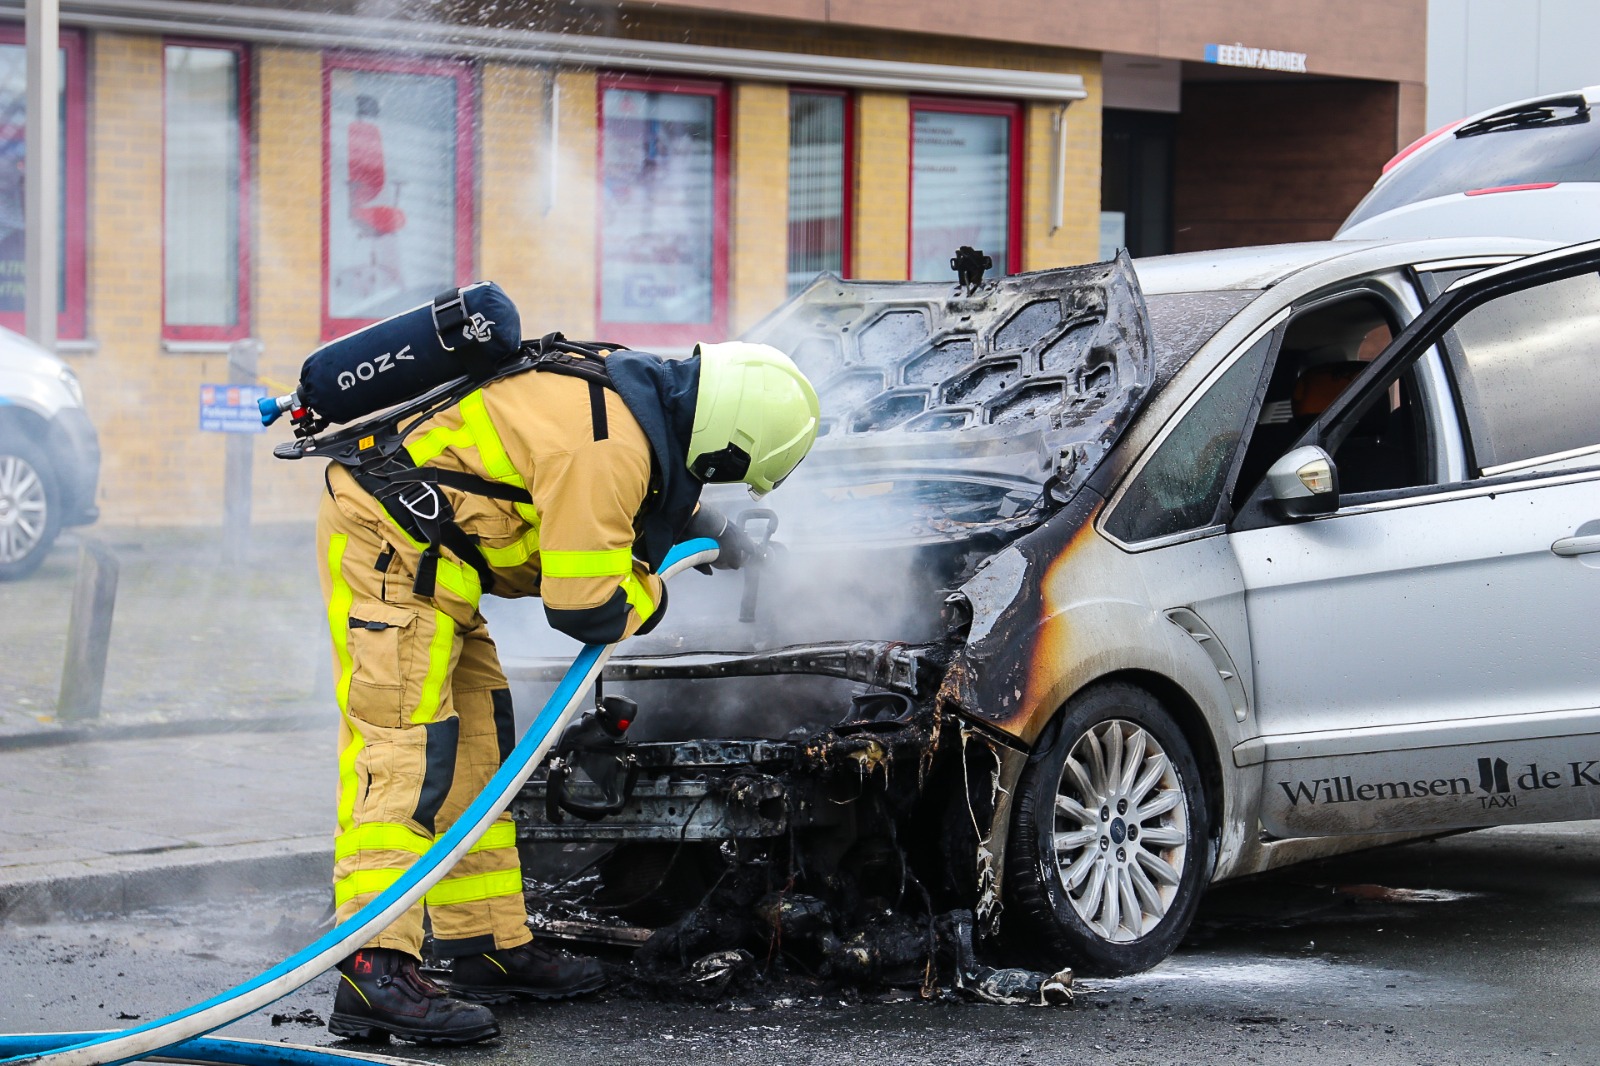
point(105, 826)
point(193, 638)
point(211, 766)
point(1482, 949)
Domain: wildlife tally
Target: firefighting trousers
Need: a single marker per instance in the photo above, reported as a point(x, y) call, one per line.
point(425, 722)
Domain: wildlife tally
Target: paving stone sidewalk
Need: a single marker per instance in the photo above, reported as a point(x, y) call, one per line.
point(105, 826)
point(193, 636)
point(211, 767)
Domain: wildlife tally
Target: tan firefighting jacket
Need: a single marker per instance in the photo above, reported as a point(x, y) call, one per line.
point(585, 460)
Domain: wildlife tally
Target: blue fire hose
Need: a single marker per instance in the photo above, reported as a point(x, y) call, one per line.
point(162, 1036)
point(221, 1051)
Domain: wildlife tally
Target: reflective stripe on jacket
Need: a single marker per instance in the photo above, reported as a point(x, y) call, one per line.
point(585, 460)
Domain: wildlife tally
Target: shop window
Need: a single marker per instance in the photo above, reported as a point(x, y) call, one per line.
point(663, 211)
point(966, 185)
point(206, 170)
point(13, 132)
point(398, 203)
point(820, 183)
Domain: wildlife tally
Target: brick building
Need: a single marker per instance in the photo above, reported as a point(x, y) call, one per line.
point(650, 173)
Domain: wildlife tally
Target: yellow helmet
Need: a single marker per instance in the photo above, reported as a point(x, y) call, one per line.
point(755, 416)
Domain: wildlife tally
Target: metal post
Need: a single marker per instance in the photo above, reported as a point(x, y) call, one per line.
point(243, 358)
point(1058, 169)
point(94, 599)
point(42, 178)
point(552, 130)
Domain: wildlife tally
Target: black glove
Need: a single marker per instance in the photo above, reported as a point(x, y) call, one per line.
point(735, 548)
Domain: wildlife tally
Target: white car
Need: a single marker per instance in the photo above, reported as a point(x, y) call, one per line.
point(49, 454)
point(1145, 575)
point(1529, 169)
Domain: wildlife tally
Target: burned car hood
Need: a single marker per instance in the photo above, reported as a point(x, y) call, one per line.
point(954, 422)
point(947, 410)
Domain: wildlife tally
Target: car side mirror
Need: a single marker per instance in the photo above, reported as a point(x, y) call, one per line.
point(1304, 483)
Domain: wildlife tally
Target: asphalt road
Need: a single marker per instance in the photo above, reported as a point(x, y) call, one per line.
point(1481, 948)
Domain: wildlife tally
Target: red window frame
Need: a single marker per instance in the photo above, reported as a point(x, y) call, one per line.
point(964, 106)
point(466, 105)
point(669, 334)
point(241, 328)
point(71, 323)
point(847, 219)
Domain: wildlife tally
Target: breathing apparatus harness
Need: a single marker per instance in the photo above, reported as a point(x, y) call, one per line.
point(374, 452)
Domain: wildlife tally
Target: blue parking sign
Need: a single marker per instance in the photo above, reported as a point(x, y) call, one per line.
point(231, 408)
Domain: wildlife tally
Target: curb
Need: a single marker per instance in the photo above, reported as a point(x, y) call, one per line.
point(72, 734)
point(118, 884)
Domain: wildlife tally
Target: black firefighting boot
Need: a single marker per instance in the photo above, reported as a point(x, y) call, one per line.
point(530, 971)
point(382, 994)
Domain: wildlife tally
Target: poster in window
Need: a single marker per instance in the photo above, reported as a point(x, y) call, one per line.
point(657, 210)
point(960, 189)
point(13, 166)
point(391, 191)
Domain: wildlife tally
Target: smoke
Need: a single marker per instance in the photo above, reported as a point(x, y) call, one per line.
point(862, 563)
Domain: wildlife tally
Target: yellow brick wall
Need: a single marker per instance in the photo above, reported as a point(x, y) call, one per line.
point(1078, 238)
point(158, 468)
point(287, 304)
point(883, 130)
point(156, 465)
point(758, 248)
point(883, 186)
point(538, 239)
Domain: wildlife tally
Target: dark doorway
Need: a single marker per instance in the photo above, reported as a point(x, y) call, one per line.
point(1136, 179)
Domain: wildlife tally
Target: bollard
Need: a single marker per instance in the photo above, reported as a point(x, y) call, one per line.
point(83, 677)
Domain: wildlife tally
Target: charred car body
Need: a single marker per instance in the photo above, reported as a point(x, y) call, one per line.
point(1105, 583)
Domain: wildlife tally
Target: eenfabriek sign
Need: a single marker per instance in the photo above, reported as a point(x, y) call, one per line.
point(1239, 55)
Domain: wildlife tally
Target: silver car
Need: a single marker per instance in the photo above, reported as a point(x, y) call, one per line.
point(49, 454)
point(1147, 575)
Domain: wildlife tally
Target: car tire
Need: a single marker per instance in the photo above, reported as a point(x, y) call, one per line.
point(1133, 825)
point(30, 506)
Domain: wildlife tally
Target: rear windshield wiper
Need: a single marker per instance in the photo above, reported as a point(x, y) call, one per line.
point(1536, 116)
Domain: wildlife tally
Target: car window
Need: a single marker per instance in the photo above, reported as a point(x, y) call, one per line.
point(1528, 365)
point(1553, 151)
point(1180, 486)
point(1325, 348)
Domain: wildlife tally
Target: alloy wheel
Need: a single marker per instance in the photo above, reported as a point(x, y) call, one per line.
point(1121, 830)
point(24, 508)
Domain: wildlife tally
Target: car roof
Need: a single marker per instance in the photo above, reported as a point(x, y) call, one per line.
point(1263, 266)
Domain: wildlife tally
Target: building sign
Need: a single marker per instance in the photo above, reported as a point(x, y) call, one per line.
point(231, 408)
point(1239, 55)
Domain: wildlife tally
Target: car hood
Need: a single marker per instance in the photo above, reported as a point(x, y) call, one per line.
point(954, 421)
point(948, 411)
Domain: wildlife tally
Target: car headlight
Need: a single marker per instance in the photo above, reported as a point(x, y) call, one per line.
point(69, 381)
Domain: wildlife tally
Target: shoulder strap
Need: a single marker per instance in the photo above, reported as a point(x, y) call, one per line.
point(374, 452)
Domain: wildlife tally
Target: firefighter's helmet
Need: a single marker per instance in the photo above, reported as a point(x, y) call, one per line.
point(755, 416)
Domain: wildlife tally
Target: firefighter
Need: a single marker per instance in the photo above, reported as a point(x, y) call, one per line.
point(569, 485)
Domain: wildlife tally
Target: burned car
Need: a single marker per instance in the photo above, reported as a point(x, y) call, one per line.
point(1103, 584)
